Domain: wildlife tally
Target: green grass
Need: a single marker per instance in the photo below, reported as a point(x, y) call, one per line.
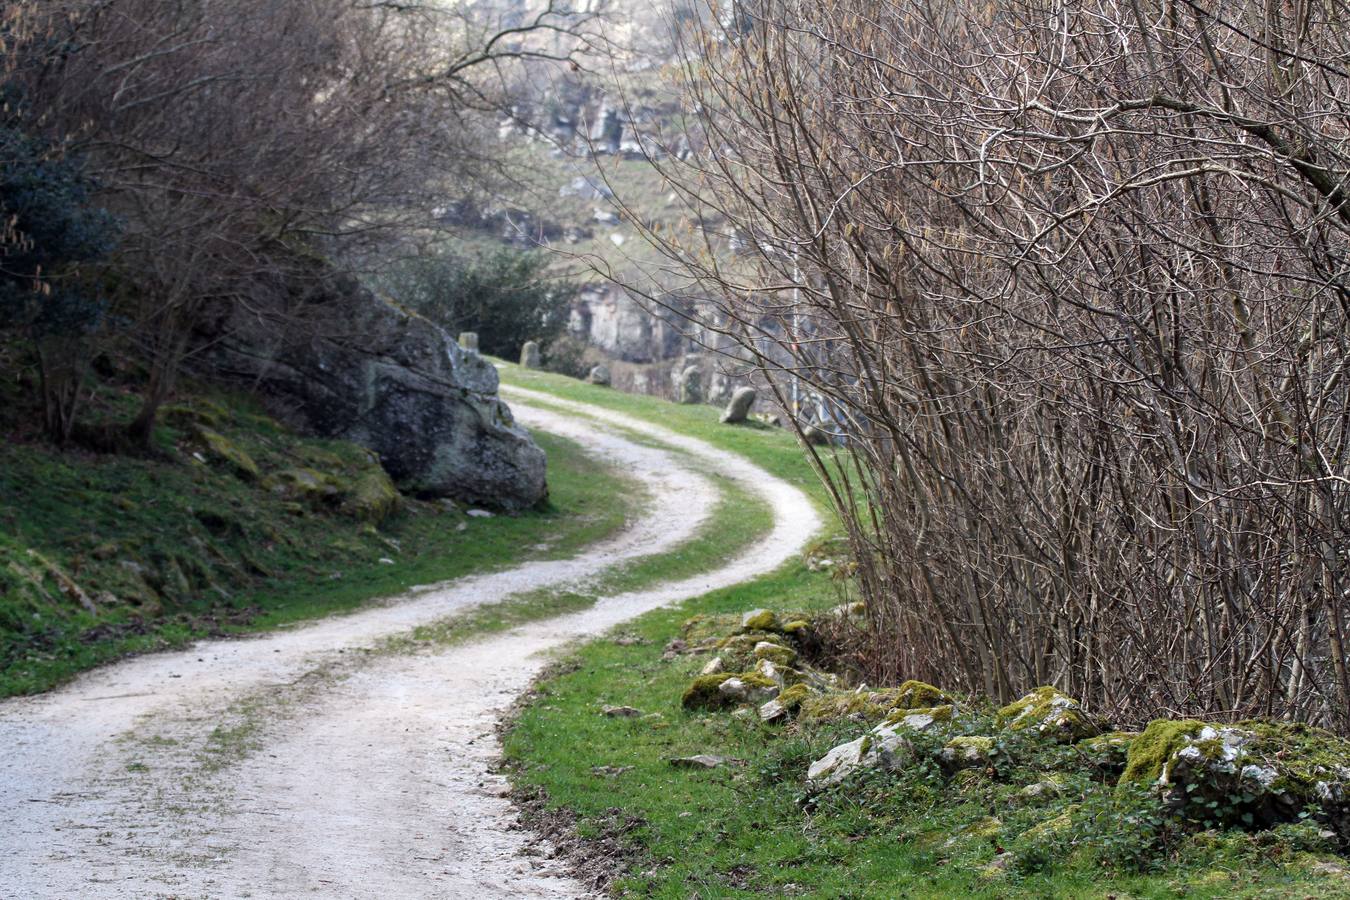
point(172, 549)
point(748, 830)
point(772, 449)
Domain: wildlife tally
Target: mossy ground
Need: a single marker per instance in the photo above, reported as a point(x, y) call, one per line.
point(188, 542)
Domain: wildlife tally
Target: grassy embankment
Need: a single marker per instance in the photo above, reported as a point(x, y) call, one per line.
point(106, 555)
point(752, 830)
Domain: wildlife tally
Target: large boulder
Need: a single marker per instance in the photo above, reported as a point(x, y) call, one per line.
point(343, 363)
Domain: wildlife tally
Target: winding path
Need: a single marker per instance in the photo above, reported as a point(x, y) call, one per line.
point(301, 764)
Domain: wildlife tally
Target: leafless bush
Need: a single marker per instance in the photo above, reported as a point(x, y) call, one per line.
point(1074, 277)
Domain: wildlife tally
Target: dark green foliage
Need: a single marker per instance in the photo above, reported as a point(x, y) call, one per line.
point(504, 295)
point(47, 225)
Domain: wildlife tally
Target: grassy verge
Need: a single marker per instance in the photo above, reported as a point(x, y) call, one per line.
point(751, 830)
point(103, 556)
point(770, 448)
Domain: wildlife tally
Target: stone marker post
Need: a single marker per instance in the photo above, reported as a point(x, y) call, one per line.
point(739, 407)
point(529, 355)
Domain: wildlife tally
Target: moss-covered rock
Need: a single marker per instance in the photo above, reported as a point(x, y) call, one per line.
point(307, 485)
point(1255, 774)
point(967, 751)
point(703, 692)
point(860, 705)
point(775, 653)
point(1050, 713)
point(921, 695)
point(1052, 829)
point(1150, 752)
point(1109, 753)
point(930, 718)
point(748, 687)
point(796, 626)
point(759, 620)
point(708, 628)
point(222, 450)
point(200, 412)
point(793, 696)
point(372, 498)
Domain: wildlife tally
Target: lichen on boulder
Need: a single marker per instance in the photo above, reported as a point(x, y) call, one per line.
point(1051, 713)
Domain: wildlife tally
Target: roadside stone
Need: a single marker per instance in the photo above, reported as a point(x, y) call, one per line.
point(599, 375)
point(691, 385)
point(886, 750)
point(738, 408)
point(610, 771)
point(712, 666)
point(621, 712)
point(529, 355)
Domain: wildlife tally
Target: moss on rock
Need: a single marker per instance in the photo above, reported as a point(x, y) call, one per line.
point(922, 719)
point(867, 706)
point(1050, 713)
point(921, 695)
point(759, 620)
point(967, 751)
point(703, 692)
point(775, 653)
point(793, 696)
point(1148, 755)
point(221, 449)
point(373, 497)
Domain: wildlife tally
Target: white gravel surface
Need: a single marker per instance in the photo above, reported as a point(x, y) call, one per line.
point(298, 764)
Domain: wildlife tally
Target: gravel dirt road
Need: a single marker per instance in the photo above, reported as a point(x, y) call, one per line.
point(301, 763)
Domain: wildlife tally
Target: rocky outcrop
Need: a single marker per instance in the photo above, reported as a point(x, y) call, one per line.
point(342, 363)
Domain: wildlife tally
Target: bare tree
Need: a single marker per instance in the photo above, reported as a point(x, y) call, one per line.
point(238, 140)
point(1072, 279)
